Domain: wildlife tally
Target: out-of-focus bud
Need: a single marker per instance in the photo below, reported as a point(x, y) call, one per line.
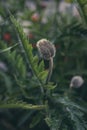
point(7, 37)
point(3, 67)
point(46, 49)
point(35, 17)
point(76, 82)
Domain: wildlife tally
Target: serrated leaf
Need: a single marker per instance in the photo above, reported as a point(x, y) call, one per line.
point(48, 121)
point(41, 66)
point(23, 71)
point(27, 47)
point(19, 62)
point(13, 53)
point(36, 68)
point(43, 75)
point(35, 60)
point(29, 52)
point(50, 86)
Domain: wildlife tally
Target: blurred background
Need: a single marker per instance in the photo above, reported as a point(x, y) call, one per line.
point(65, 25)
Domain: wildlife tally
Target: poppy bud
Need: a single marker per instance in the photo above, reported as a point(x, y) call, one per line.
point(76, 82)
point(46, 49)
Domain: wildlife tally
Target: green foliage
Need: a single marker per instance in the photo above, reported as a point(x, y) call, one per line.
point(67, 112)
point(28, 49)
point(82, 6)
point(24, 94)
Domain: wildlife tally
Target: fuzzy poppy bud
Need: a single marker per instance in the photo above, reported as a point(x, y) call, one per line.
point(76, 82)
point(46, 49)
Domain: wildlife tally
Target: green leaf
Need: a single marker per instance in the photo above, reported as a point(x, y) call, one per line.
point(7, 81)
point(43, 75)
point(35, 60)
point(41, 66)
point(7, 49)
point(13, 55)
point(36, 119)
point(51, 86)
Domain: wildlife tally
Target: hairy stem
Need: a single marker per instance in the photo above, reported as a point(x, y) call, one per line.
point(50, 70)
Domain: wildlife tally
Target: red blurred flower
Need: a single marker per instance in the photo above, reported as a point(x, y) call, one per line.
point(31, 36)
point(7, 37)
point(35, 17)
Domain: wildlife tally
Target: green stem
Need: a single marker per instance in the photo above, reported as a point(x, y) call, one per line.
point(22, 106)
point(50, 70)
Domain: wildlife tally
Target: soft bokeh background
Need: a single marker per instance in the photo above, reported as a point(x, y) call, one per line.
point(65, 25)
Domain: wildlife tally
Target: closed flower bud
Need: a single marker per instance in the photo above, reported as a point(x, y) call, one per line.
point(46, 49)
point(3, 67)
point(76, 82)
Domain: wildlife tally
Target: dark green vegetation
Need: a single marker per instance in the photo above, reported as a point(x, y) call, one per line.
point(26, 101)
